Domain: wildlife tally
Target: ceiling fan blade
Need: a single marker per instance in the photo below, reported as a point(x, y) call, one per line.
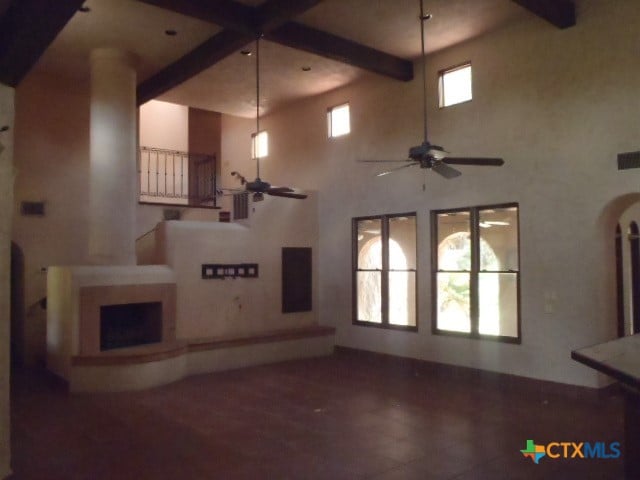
point(479, 161)
point(280, 190)
point(223, 190)
point(381, 174)
point(445, 170)
point(384, 161)
point(279, 193)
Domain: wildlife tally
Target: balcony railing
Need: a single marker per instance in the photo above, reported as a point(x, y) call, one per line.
point(177, 178)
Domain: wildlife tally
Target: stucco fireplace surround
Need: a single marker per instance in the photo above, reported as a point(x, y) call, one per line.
point(148, 309)
point(149, 355)
point(81, 300)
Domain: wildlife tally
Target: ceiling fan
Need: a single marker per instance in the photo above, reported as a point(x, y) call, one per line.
point(428, 155)
point(259, 187)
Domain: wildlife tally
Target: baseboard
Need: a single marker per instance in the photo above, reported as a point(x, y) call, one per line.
point(543, 389)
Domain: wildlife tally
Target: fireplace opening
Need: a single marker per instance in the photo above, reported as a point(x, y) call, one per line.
point(130, 324)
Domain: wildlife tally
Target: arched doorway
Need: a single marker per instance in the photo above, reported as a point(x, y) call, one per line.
point(626, 212)
point(634, 249)
point(619, 282)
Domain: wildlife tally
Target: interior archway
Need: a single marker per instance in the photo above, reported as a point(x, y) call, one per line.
point(634, 250)
point(625, 262)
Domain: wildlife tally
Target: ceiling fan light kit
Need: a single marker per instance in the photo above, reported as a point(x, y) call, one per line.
point(427, 155)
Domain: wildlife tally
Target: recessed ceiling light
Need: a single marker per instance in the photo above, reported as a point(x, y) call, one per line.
point(306, 68)
point(246, 53)
point(84, 9)
point(170, 33)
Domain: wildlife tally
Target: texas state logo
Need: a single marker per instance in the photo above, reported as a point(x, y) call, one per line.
point(533, 451)
point(572, 450)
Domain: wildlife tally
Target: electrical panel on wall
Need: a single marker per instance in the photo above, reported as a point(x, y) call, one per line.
point(220, 271)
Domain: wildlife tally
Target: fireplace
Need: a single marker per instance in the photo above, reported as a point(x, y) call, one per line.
point(130, 325)
point(113, 317)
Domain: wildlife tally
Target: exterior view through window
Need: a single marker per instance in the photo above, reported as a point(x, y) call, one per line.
point(385, 270)
point(476, 272)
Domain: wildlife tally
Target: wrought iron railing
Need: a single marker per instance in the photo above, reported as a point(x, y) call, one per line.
point(177, 178)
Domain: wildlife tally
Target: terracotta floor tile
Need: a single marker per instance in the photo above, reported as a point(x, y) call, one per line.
point(348, 416)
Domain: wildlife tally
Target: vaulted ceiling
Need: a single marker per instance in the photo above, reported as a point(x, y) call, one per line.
point(201, 65)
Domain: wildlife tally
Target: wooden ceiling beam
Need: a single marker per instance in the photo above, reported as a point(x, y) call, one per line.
point(330, 46)
point(202, 57)
point(26, 30)
point(272, 18)
point(561, 13)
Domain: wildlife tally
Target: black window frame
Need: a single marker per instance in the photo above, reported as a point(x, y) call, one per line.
point(384, 218)
point(474, 226)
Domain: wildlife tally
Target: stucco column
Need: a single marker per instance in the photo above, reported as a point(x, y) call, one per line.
point(113, 192)
point(6, 211)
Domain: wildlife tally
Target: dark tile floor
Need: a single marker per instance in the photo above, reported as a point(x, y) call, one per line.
point(348, 416)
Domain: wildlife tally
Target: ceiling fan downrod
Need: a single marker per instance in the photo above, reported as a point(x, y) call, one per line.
point(423, 18)
point(256, 140)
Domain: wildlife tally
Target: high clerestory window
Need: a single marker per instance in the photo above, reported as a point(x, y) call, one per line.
point(338, 120)
point(384, 271)
point(476, 272)
point(259, 144)
point(455, 85)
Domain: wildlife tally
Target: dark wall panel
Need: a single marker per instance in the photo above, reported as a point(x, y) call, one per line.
point(296, 280)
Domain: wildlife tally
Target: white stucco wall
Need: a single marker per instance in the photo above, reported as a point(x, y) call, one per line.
point(6, 209)
point(557, 105)
point(209, 308)
point(164, 125)
point(52, 165)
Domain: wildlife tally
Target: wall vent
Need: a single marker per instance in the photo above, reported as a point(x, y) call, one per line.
point(628, 160)
point(171, 214)
point(32, 208)
point(240, 206)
